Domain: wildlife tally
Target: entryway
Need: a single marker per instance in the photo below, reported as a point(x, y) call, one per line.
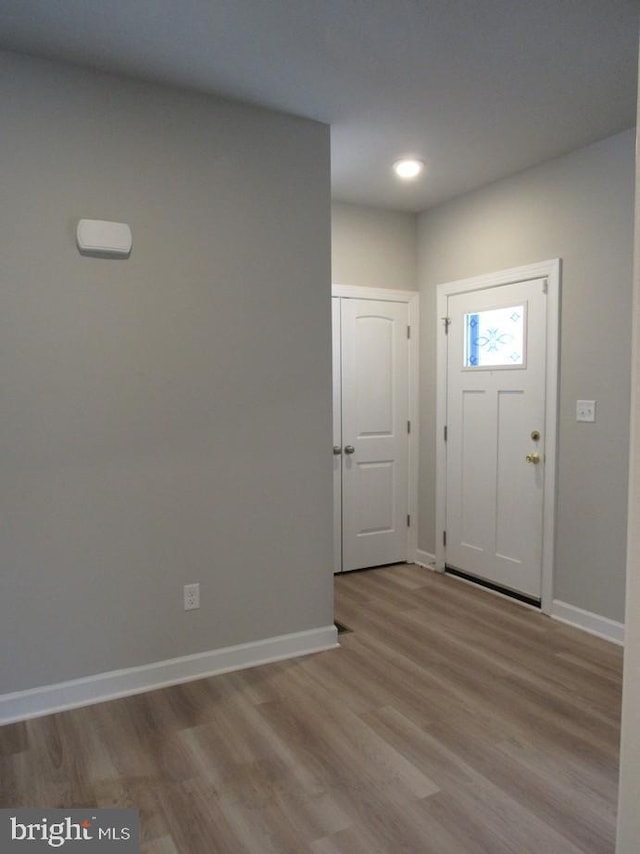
point(374, 426)
point(497, 392)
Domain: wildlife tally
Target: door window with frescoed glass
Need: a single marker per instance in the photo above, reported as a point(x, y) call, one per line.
point(495, 338)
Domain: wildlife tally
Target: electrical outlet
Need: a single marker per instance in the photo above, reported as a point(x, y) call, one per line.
point(191, 596)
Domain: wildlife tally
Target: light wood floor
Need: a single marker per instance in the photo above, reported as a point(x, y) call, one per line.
point(449, 721)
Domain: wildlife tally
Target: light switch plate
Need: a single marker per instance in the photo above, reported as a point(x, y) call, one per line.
point(101, 238)
point(585, 410)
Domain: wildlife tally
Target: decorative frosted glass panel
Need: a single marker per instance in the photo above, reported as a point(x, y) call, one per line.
point(494, 338)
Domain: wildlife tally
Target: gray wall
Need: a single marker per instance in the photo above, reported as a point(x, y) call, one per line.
point(579, 208)
point(165, 419)
point(628, 813)
point(373, 248)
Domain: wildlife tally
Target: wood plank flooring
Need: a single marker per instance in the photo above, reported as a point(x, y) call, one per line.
point(450, 720)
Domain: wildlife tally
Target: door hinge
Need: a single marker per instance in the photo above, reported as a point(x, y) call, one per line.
point(447, 324)
point(408, 332)
point(444, 538)
point(545, 286)
point(408, 521)
point(408, 426)
point(446, 432)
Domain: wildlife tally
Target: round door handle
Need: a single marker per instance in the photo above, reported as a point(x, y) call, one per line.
point(337, 450)
point(349, 449)
point(533, 458)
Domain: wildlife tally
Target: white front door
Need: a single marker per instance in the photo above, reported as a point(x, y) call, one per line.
point(373, 431)
point(495, 434)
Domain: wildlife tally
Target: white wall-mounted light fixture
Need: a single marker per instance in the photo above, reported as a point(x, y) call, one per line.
point(103, 239)
point(408, 168)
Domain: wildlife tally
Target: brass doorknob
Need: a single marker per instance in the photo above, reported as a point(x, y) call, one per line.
point(533, 458)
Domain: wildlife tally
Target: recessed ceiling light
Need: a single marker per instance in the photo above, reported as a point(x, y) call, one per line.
point(408, 168)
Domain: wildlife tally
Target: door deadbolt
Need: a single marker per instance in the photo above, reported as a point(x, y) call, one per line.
point(535, 435)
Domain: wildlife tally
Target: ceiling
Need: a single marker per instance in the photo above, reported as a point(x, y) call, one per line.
point(479, 89)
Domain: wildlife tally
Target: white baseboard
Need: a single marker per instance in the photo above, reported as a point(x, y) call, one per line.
point(425, 559)
point(602, 627)
point(35, 702)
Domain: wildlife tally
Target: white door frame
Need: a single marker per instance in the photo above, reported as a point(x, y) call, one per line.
point(411, 298)
point(551, 271)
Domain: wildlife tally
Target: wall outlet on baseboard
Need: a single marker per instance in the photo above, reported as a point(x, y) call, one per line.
point(191, 596)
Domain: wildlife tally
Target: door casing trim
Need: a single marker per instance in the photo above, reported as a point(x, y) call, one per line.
point(551, 270)
point(411, 298)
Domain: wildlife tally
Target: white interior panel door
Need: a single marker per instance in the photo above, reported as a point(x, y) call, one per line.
point(374, 432)
point(337, 435)
point(495, 434)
